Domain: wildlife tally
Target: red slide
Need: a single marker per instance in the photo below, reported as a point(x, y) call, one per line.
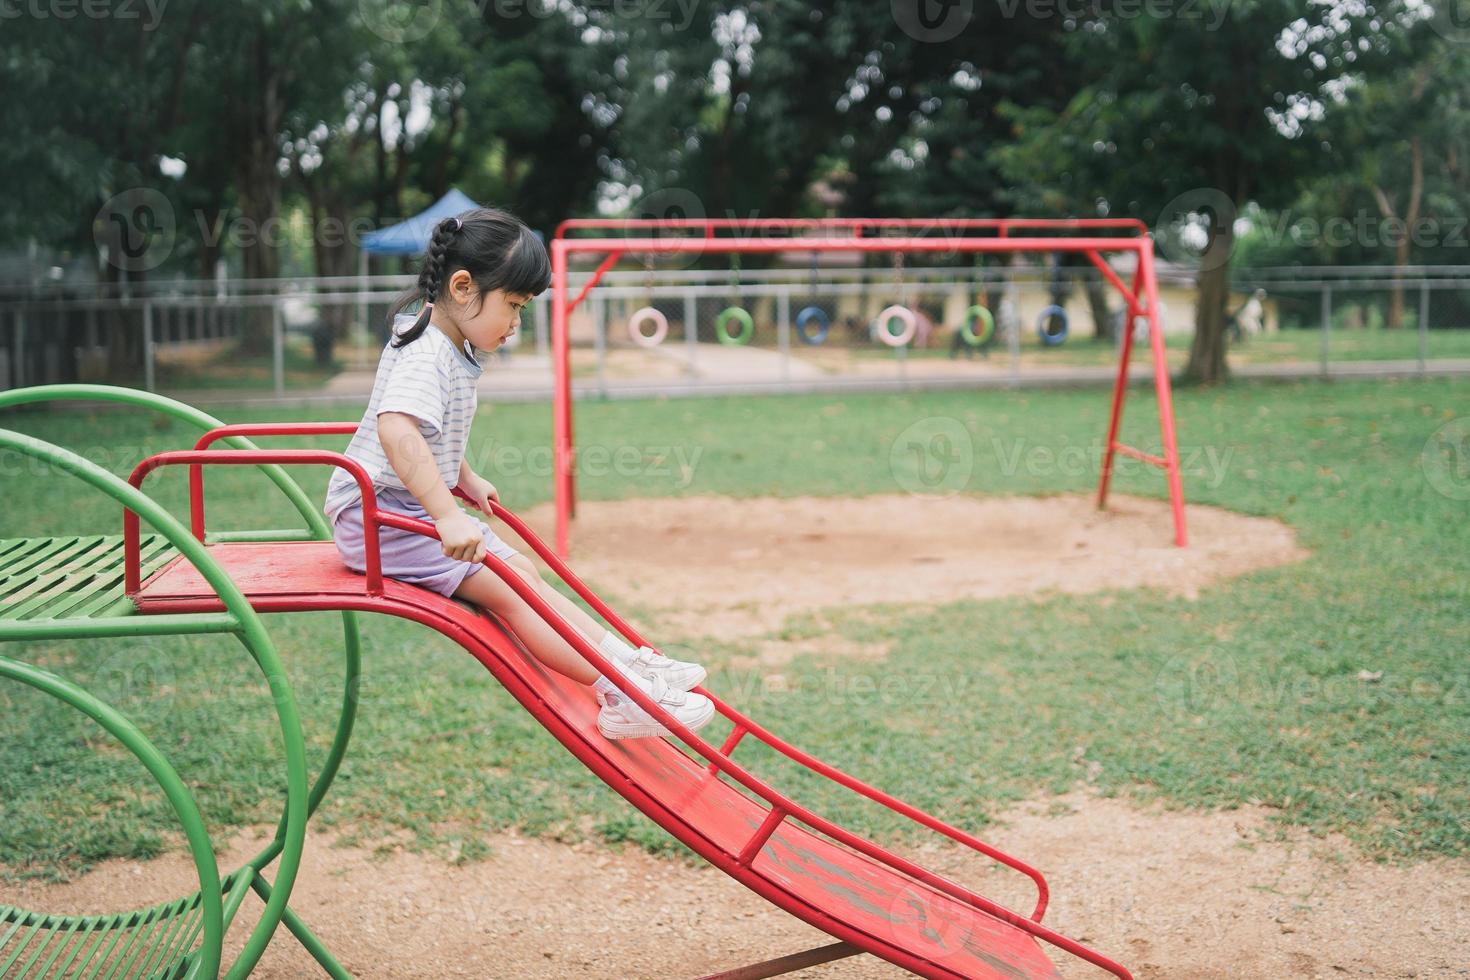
point(869, 898)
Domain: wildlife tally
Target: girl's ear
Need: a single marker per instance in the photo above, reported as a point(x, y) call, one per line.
point(461, 285)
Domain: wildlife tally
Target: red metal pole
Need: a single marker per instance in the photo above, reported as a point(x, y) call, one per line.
point(255, 457)
point(1164, 393)
point(561, 403)
point(1120, 387)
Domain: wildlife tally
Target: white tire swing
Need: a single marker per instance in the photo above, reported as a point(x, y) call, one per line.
point(644, 315)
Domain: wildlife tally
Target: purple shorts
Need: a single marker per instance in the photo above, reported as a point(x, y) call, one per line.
point(406, 556)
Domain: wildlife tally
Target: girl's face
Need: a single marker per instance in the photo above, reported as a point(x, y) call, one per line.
point(496, 318)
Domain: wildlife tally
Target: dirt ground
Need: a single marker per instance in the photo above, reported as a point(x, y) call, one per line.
point(1170, 894)
point(704, 565)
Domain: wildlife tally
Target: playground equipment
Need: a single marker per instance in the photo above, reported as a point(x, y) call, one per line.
point(734, 313)
point(193, 580)
point(1092, 237)
point(979, 326)
point(1051, 326)
point(813, 314)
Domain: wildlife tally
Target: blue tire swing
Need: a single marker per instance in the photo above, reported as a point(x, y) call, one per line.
point(813, 314)
point(734, 312)
point(1052, 326)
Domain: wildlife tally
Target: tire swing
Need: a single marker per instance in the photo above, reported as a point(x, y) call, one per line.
point(1051, 326)
point(979, 326)
point(908, 323)
point(648, 313)
point(813, 314)
point(734, 312)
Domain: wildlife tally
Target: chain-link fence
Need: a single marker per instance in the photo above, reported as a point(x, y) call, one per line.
point(781, 328)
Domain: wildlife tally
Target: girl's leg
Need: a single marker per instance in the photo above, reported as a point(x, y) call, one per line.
point(486, 589)
point(570, 611)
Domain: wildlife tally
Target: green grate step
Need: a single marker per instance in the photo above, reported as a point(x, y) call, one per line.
point(70, 578)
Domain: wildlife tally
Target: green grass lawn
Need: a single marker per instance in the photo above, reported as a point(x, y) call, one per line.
point(1249, 693)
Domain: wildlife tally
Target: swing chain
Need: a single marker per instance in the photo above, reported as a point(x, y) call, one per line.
point(898, 281)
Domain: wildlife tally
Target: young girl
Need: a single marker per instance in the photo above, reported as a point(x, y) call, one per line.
point(482, 268)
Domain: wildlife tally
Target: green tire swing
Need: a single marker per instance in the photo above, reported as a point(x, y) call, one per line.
point(722, 326)
point(979, 326)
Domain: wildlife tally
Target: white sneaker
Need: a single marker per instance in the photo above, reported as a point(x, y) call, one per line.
point(679, 674)
point(621, 717)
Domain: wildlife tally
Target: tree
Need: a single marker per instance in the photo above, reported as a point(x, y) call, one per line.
point(1191, 119)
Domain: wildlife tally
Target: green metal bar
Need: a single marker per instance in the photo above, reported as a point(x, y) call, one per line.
point(352, 657)
point(10, 960)
point(52, 586)
point(177, 917)
point(125, 956)
point(24, 574)
point(151, 558)
point(17, 917)
point(49, 548)
point(105, 578)
point(252, 634)
point(239, 888)
point(50, 937)
point(91, 936)
point(98, 961)
point(66, 936)
point(119, 626)
point(305, 936)
point(163, 773)
point(289, 534)
point(351, 686)
point(309, 511)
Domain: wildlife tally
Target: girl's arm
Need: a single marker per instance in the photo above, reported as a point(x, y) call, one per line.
point(411, 459)
point(479, 488)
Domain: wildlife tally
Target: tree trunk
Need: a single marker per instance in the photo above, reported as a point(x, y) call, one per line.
point(1395, 318)
point(1207, 352)
point(259, 185)
point(334, 255)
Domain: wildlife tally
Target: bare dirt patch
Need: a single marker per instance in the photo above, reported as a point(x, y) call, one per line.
point(704, 564)
point(1169, 894)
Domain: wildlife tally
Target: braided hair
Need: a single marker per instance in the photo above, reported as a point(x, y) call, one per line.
point(493, 246)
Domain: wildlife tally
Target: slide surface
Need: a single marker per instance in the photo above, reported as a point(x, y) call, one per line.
point(921, 922)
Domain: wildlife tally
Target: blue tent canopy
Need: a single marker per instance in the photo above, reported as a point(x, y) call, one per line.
point(411, 237)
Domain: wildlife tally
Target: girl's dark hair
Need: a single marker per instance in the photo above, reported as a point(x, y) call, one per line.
point(493, 246)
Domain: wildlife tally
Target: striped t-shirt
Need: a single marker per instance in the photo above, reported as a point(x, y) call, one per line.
point(429, 380)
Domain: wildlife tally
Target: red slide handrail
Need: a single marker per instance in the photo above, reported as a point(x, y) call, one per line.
point(743, 721)
point(780, 805)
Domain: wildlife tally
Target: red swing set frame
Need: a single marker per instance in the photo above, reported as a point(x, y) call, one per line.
point(1093, 237)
